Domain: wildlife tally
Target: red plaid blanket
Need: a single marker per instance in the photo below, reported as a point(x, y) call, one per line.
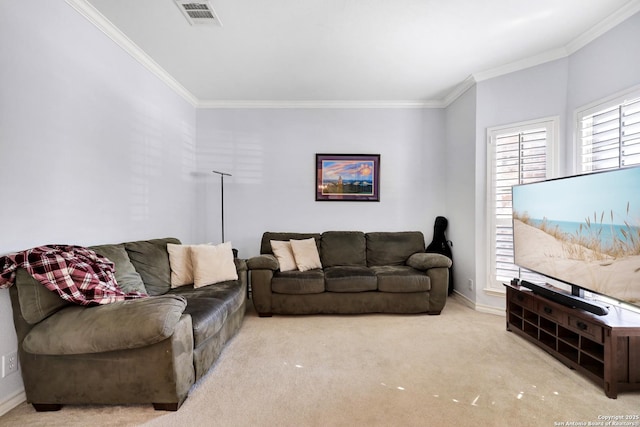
point(76, 273)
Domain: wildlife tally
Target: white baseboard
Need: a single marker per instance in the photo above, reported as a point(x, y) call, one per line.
point(463, 299)
point(498, 311)
point(12, 401)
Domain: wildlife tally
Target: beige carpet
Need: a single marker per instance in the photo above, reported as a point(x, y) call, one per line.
point(461, 368)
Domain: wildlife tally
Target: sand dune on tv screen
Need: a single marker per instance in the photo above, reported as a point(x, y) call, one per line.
point(619, 278)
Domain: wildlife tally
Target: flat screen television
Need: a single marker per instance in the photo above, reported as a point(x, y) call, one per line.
point(583, 231)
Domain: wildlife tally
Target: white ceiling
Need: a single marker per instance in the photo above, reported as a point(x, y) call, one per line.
point(353, 51)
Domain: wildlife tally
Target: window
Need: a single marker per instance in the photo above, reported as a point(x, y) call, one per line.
point(517, 154)
point(609, 135)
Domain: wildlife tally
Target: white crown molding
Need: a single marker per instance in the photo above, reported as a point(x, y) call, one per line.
point(625, 12)
point(620, 15)
point(96, 18)
point(458, 91)
point(318, 104)
point(89, 12)
point(523, 64)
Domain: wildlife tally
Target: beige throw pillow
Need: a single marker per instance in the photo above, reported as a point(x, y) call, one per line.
point(180, 263)
point(284, 254)
point(306, 254)
point(212, 264)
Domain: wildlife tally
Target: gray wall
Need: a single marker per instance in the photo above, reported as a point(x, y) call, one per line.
point(461, 189)
point(271, 155)
point(93, 148)
point(602, 68)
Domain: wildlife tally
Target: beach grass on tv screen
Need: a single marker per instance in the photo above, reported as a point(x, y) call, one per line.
point(624, 241)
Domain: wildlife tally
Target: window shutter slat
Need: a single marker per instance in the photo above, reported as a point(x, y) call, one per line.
point(519, 158)
point(610, 138)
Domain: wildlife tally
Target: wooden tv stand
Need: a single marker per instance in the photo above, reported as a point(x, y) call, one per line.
point(606, 348)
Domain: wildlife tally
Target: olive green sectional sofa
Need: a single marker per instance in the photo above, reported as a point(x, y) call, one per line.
point(378, 272)
point(147, 350)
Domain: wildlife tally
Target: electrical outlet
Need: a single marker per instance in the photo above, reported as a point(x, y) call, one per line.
point(9, 364)
point(470, 284)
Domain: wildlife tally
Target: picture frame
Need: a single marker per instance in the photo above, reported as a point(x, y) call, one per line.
point(348, 177)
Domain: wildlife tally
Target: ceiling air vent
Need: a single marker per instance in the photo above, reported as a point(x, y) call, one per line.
point(198, 12)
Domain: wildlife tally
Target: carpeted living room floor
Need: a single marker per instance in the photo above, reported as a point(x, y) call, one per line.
point(461, 368)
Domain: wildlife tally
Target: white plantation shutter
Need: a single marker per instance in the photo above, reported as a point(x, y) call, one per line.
point(609, 136)
point(518, 155)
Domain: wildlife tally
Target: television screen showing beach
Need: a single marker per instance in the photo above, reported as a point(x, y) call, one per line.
point(347, 177)
point(582, 230)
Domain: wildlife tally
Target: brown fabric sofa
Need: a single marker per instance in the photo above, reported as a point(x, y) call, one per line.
point(148, 350)
point(380, 272)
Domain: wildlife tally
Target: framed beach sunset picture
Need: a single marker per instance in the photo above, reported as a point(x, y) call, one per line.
point(348, 177)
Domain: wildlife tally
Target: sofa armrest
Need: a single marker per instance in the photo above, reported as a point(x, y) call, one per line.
point(261, 291)
point(241, 264)
point(439, 278)
point(117, 326)
point(263, 262)
point(425, 261)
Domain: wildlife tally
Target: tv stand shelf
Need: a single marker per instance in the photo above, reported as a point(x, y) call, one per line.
point(606, 348)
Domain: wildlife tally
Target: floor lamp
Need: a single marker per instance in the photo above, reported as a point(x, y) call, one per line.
point(222, 175)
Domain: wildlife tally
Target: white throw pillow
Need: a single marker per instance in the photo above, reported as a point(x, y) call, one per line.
point(212, 264)
point(180, 262)
point(284, 254)
point(306, 254)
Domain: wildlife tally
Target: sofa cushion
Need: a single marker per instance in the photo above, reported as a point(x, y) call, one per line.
point(393, 248)
point(284, 255)
point(180, 264)
point(306, 254)
point(210, 306)
point(267, 237)
point(212, 264)
point(36, 301)
point(298, 282)
point(350, 279)
point(151, 260)
point(117, 326)
point(126, 275)
point(401, 279)
point(343, 248)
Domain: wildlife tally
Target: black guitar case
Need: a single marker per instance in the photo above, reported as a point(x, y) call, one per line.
point(441, 245)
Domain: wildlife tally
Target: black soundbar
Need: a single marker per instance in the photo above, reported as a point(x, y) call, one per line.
point(564, 299)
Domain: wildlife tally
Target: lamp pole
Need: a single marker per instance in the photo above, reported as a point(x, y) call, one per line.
point(222, 175)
